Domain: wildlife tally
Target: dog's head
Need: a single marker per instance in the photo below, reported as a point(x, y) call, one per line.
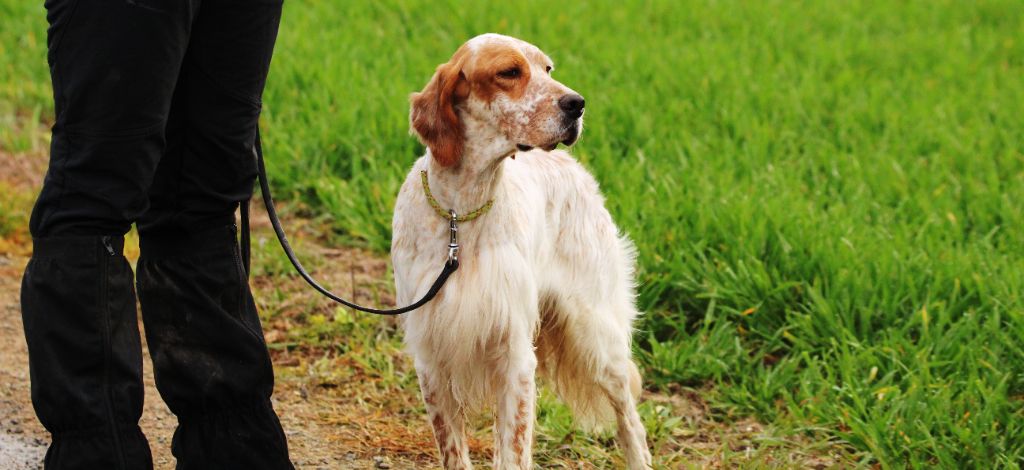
point(498, 90)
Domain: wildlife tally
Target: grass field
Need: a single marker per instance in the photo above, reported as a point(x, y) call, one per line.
point(826, 196)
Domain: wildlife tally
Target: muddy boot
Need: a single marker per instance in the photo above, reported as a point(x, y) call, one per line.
point(85, 356)
point(212, 365)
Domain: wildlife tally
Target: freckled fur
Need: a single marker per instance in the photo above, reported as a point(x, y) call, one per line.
point(546, 282)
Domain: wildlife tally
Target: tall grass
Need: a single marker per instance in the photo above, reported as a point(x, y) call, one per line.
point(826, 196)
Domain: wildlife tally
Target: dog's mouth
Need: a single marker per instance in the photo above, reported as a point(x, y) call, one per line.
point(572, 133)
point(569, 137)
point(527, 148)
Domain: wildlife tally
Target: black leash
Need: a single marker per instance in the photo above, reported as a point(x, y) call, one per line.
point(450, 266)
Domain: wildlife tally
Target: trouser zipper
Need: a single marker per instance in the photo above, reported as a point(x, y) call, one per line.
point(108, 348)
point(108, 246)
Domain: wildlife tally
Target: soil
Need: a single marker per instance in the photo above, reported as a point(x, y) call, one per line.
point(22, 439)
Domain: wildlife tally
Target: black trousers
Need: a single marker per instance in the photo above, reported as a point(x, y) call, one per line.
point(157, 103)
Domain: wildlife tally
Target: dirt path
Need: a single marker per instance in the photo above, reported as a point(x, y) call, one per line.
point(23, 440)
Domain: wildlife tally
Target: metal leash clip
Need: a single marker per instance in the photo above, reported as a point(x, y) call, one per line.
point(453, 239)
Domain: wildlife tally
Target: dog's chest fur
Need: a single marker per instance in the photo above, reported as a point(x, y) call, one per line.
point(519, 247)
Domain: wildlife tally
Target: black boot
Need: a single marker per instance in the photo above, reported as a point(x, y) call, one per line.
point(85, 356)
point(212, 365)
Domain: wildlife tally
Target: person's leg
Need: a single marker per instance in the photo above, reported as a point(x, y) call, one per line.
point(113, 67)
point(212, 365)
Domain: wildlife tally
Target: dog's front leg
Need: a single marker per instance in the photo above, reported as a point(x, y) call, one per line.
point(515, 411)
point(447, 420)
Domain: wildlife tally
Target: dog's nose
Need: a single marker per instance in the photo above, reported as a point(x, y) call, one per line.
point(572, 105)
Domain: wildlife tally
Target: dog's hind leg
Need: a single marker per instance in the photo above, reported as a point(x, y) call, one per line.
point(621, 383)
point(584, 350)
point(447, 420)
point(516, 394)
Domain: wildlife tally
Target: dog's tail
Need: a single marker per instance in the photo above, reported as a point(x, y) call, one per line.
point(586, 390)
point(588, 398)
point(584, 350)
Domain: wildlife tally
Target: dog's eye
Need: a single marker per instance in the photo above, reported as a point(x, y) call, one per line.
point(548, 70)
point(509, 73)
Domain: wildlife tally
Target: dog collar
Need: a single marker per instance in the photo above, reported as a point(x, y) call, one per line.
point(449, 214)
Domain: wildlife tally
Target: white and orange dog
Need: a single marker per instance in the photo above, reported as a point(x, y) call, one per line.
point(546, 281)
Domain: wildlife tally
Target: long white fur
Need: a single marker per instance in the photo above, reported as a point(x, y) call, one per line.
point(546, 283)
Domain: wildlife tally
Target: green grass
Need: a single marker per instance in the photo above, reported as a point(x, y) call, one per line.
point(13, 216)
point(826, 196)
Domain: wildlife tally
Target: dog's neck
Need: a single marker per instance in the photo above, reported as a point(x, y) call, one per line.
point(472, 181)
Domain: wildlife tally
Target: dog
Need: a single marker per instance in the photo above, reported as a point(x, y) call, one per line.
point(546, 283)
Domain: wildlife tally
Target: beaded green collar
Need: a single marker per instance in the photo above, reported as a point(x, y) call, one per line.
point(446, 214)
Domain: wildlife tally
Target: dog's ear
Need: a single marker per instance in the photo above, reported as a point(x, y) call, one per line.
point(433, 113)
